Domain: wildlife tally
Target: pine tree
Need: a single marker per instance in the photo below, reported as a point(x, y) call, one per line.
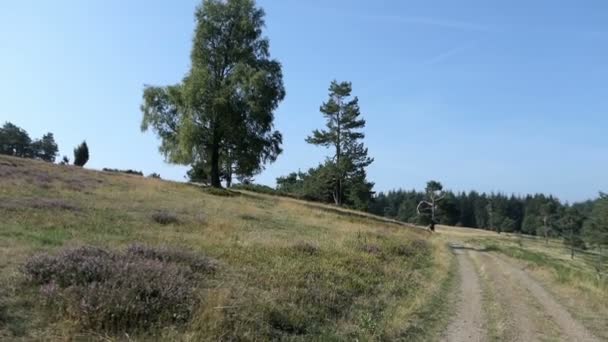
point(595, 230)
point(570, 224)
point(15, 141)
point(46, 148)
point(81, 154)
point(343, 135)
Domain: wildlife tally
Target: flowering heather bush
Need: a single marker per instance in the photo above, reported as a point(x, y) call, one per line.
point(140, 288)
point(76, 266)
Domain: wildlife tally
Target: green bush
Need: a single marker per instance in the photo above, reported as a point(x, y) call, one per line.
point(128, 172)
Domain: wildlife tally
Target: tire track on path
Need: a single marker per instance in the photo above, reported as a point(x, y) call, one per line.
point(468, 322)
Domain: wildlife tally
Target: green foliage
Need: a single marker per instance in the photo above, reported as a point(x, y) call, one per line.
point(530, 224)
point(219, 119)
point(15, 141)
point(259, 188)
point(318, 184)
point(81, 154)
point(46, 148)
point(488, 211)
point(596, 227)
point(346, 167)
point(154, 175)
point(571, 224)
point(128, 172)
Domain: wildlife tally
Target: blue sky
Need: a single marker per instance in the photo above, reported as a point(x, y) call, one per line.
point(507, 96)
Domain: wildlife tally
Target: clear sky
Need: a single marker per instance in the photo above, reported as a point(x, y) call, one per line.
point(507, 96)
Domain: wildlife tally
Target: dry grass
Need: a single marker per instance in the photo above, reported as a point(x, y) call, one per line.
point(289, 269)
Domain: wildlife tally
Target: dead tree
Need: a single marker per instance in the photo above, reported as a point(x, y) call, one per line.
point(434, 194)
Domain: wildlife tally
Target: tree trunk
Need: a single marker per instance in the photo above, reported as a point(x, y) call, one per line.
point(546, 230)
point(339, 191)
point(571, 244)
point(432, 216)
point(599, 262)
point(228, 181)
point(228, 175)
point(339, 155)
point(215, 166)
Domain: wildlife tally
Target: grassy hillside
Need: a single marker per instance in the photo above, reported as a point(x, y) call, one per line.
point(282, 269)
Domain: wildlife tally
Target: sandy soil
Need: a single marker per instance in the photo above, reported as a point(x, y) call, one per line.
point(499, 301)
point(469, 323)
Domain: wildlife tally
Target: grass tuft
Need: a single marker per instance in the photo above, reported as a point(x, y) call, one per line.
point(371, 248)
point(308, 248)
point(165, 218)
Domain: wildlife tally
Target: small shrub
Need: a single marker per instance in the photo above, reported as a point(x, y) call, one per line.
point(165, 218)
point(263, 189)
point(286, 322)
point(128, 172)
point(307, 248)
point(81, 154)
point(219, 192)
point(154, 175)
point(139, 289)
point(248, 217)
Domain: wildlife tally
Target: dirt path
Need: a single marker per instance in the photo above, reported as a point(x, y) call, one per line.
point(571, 330)
point(515, 314)
point(469, 325)
point(499, 301)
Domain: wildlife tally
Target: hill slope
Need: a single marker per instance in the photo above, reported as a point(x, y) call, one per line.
point(283, 269)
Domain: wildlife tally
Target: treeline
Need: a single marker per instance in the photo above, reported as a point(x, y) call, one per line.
point(541, 215)
point(15, 141)
point(494, 211)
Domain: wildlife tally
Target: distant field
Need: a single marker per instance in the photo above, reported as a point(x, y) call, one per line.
point(282, 269)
